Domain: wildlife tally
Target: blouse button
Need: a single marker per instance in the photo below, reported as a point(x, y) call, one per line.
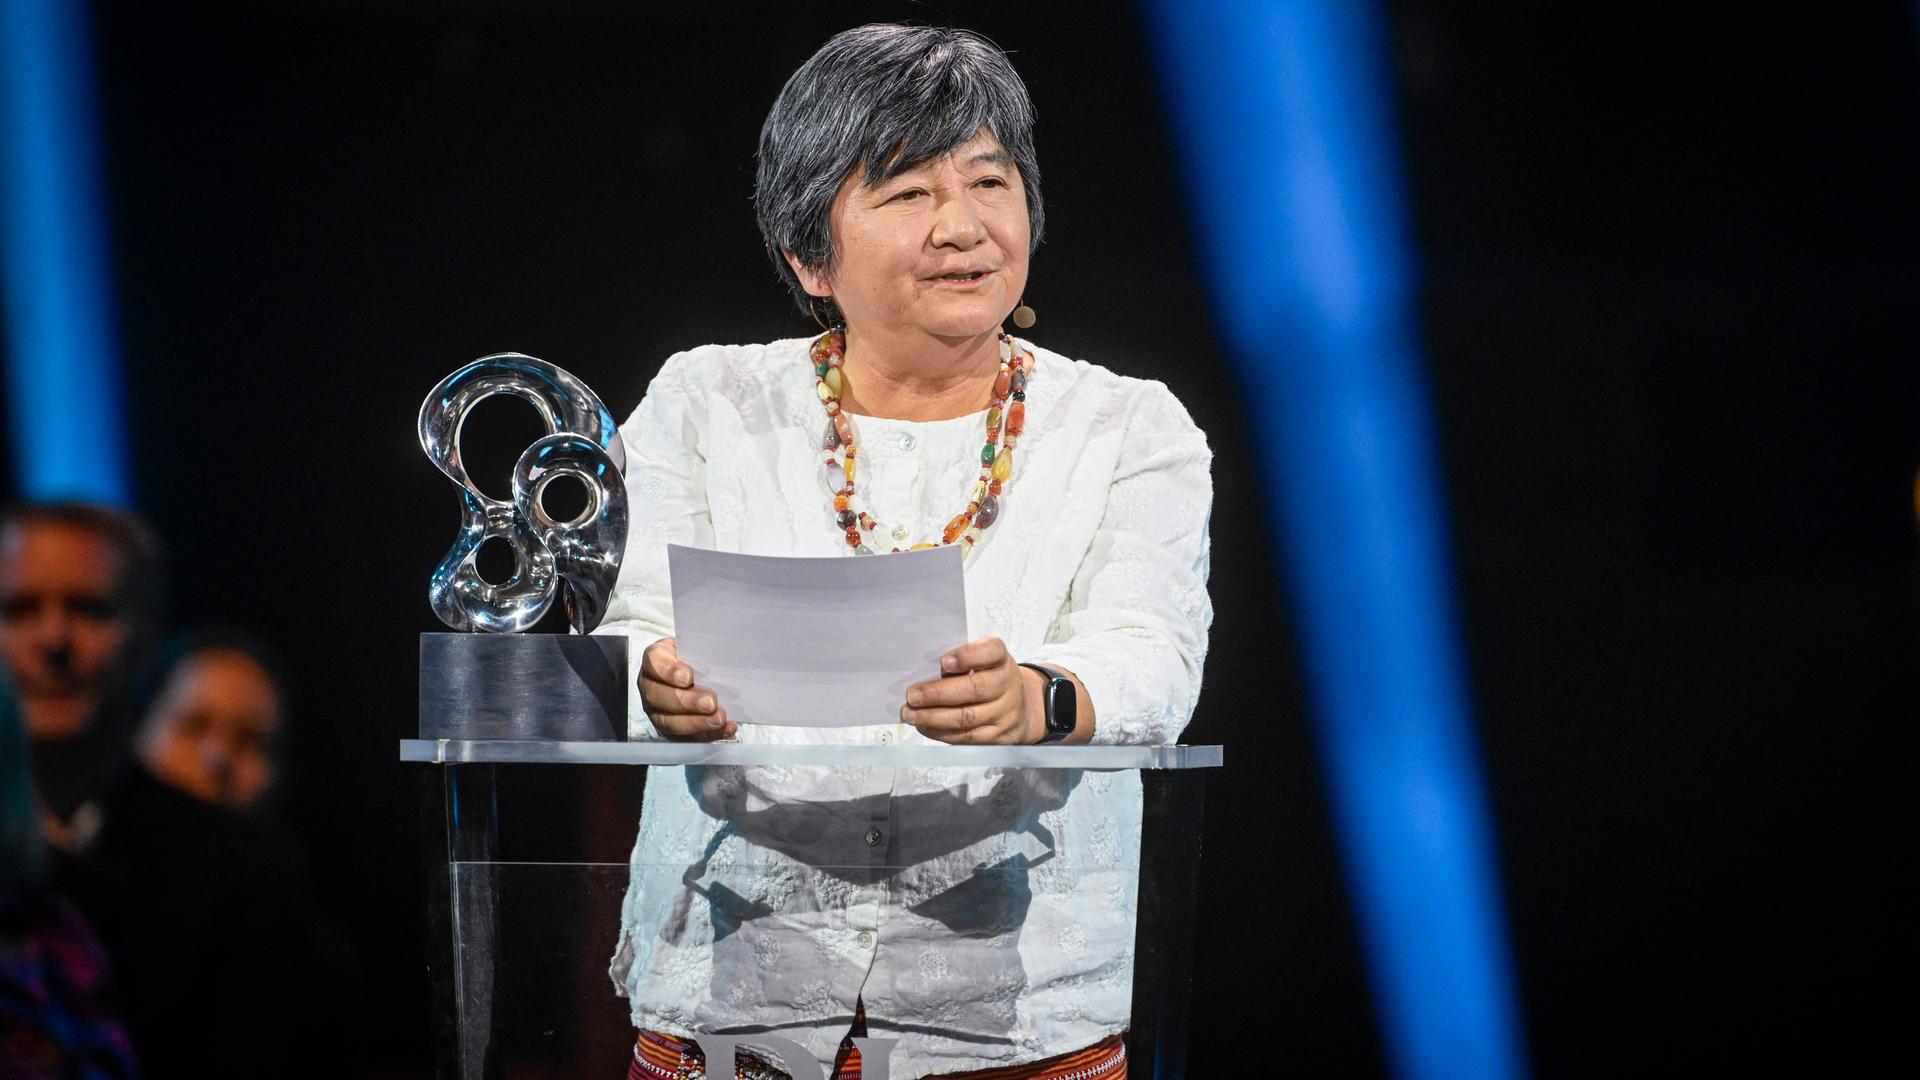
point(900, 532)
point(886, 738)
point(874, 836)
point(865, 940)
point(907, 441)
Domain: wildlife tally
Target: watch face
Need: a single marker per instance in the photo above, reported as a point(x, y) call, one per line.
point(1061, 702)
point(1060, 706)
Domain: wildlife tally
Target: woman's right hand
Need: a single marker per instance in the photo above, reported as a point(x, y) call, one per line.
point(679, 709)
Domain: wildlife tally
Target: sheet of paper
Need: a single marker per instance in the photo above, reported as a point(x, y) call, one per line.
point(816, 642)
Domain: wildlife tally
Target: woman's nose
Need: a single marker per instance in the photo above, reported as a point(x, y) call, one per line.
point(217, 759)
point(958, 224)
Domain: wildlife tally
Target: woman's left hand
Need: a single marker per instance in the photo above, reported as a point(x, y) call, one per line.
point(981, 699)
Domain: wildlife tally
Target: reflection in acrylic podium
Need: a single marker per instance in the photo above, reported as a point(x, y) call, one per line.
point(526, 846)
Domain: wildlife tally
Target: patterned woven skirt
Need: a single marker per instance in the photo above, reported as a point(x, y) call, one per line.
point(659, 1056)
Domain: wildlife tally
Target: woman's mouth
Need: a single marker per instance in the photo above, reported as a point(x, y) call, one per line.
point(962, 277)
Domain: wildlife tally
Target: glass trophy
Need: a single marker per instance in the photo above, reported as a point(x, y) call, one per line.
point(489, 679)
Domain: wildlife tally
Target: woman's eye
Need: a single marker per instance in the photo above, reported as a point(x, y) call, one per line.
point(908, 195)
point(993, 181)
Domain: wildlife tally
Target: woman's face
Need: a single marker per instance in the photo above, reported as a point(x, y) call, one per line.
point(940, 250)
point(211, 731)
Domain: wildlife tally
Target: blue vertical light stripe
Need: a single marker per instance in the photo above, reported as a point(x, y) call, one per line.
point(1283, 115)
point(63, 371)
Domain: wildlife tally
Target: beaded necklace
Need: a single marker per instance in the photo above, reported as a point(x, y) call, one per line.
point(996, 457)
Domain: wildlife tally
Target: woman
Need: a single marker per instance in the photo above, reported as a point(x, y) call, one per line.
point(213, 730)
point(984, 917)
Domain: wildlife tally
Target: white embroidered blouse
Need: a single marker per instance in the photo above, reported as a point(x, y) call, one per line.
point(985, 916)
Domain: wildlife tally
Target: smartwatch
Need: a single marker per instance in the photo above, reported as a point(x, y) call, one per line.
point(1062, 704)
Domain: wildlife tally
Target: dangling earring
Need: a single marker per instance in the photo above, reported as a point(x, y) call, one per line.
point(815, 312)
point(1023, 316)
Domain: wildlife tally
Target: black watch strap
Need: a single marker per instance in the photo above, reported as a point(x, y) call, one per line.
point(1062, 703)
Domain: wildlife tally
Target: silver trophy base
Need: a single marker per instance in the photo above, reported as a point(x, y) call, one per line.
point(523, 686)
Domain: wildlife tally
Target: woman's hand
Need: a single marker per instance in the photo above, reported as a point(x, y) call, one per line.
point(983, 697)
point(679, 709)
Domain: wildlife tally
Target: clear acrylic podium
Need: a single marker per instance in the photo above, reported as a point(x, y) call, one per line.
point(526, 849)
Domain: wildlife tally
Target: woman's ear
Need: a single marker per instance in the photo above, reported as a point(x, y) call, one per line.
point(814, 281)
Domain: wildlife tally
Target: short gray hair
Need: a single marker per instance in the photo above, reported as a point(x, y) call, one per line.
point(885, 98)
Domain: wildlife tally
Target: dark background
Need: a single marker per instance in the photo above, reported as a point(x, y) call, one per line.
point(1669, 266)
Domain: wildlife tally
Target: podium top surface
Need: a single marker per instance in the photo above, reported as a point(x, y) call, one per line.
point(546, 752)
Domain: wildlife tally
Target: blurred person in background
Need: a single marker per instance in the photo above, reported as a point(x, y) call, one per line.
point(81, 591)
point(208, 927)
point(59, 1013)
point(213, 729)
